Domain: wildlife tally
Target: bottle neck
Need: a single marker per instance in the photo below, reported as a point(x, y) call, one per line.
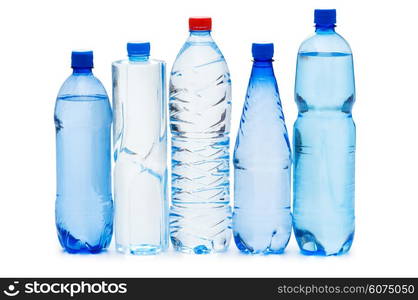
point(138, 58)
point(200, 36)
point(82, 71)
point(262, 68)
point(325, 29)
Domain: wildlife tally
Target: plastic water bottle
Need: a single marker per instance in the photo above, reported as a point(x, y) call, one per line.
point(140, 152)
point(262, 221)
point(200, 108)
point(84, 207)
point(324, 141)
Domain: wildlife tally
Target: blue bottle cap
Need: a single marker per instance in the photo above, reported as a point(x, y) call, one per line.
point(325, 17)
point(82, 59)
point(263, 51)
point(138, 48)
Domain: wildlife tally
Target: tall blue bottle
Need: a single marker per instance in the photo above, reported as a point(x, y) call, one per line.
point(262, 220)
point(324, 142)
point(83, 117)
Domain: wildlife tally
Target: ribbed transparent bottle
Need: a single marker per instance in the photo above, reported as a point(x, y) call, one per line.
point(140, 150)
point(200, 108)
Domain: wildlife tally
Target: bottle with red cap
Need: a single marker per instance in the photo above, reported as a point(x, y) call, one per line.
point(200, 108)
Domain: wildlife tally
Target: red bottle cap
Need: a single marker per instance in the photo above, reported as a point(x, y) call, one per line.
point(200, 24)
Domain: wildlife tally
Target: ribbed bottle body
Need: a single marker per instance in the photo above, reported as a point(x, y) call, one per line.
point(200, 108)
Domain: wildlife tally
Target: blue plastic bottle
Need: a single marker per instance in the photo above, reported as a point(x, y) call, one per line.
point(200, 112)
point(262, 221)
point(324, 142)
point(83, 117)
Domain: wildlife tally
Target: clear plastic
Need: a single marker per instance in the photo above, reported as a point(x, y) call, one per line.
point(262, 221)
point(324, 145)
point(84, 207)
point(200, 108)
point(140, 151)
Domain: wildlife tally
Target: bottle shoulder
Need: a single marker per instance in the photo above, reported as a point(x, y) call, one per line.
point(127, 62)
point(82, 85)
point(197, 53)
point(325, 42)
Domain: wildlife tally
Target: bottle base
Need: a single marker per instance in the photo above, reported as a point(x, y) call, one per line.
point(310, 246)
point(200, 249)
point(200, 230)
point(74, 245)
point(141, 249)
point(246, 249)
point(85, 250)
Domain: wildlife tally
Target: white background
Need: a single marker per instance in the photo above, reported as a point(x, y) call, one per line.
point(36, 40)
